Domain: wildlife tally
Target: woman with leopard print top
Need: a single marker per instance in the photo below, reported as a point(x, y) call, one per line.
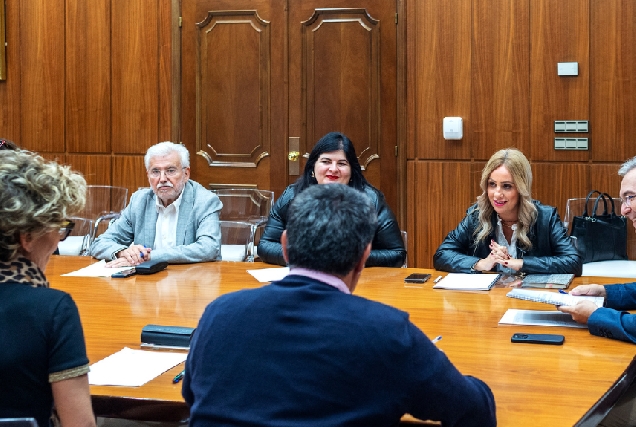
point(43, 362)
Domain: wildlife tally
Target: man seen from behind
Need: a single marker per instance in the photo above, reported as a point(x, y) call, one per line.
point(303, 351)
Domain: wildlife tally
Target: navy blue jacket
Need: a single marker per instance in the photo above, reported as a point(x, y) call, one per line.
point(612, 322)
point(299, 352)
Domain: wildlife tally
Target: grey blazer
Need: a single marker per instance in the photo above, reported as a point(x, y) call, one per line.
point(198, 229)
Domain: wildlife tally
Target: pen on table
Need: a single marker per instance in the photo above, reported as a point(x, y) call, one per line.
point(178, 377)
point(437, 280)
point(561, 291)
point(437, 338)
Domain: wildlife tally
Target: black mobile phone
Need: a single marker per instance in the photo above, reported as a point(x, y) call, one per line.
point(124, 273)
point(553, 339)
point(417, 278)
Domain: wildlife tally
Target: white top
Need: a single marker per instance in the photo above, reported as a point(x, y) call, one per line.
point(512, 246)
point(166, 228)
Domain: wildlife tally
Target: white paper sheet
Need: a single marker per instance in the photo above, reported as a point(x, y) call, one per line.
point(467, 282)
point(97, 269)
point(133, 368)
point(265, 275)
point(539, 318)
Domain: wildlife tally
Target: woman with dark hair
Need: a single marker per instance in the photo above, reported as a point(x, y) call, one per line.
point(506, 230)
point(333, 160)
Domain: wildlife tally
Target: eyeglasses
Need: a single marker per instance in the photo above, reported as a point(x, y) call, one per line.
point(627, 201)
point(66, 229)
point(170, 172)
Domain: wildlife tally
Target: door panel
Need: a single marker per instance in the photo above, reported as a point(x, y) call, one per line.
point(233, 88)
point(343, 77)
point(233, 91)
point(260, 77)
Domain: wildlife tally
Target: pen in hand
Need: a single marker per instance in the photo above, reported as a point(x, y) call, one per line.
point(178, 377)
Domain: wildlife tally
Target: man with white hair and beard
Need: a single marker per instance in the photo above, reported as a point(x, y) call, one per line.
point(176, 220)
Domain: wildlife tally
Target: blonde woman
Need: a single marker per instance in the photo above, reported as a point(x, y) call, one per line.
point(506, 230)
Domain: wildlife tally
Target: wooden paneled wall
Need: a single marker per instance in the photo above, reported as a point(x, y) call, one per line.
point(94, 83)
point(494, 63)
point(90, 83)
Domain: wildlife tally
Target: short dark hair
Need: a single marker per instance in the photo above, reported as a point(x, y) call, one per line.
point(329, 227)
point(333, 141)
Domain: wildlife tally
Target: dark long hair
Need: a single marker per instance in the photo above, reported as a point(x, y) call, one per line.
point(333, 141)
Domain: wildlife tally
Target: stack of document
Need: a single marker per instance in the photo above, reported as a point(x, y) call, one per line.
point(553, 297)
point(133, 368)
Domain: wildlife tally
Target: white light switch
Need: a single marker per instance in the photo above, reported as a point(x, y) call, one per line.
point(568, 68)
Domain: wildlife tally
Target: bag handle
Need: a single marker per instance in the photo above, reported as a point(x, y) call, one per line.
point(605, 198)
point(587, 199)
point(611, 199)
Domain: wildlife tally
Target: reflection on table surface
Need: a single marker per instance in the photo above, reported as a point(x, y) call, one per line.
point(534, 385)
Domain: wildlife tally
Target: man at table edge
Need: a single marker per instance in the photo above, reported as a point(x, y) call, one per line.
point(175, 220)
point(610, 321)
point(303, 350)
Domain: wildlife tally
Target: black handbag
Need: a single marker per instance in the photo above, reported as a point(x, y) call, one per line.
point(600, 237)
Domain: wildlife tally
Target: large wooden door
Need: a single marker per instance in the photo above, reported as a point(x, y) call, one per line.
point(264, 78)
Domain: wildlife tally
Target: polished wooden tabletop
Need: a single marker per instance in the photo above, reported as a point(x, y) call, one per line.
point(534, 385)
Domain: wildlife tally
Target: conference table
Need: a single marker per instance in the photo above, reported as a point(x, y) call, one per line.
point(534, 385)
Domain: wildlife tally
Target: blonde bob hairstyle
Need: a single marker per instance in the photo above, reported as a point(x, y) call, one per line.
point(519, 167)
point(37, 196)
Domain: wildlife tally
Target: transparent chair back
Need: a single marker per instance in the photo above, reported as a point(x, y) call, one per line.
point(249, 205)
point(245, 204)
point(405, 239)
point(237, 241)
point(103, 204)
point(80, 239)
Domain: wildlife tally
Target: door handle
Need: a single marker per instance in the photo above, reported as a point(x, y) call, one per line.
point(293, 155)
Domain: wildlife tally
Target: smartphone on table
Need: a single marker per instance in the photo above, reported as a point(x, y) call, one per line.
point(417, 278)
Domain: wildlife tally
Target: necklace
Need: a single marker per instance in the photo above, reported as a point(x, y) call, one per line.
point(508, 224)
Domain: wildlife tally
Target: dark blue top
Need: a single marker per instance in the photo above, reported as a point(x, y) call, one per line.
point(41, 334)
point(298, 352)
point(611, 322)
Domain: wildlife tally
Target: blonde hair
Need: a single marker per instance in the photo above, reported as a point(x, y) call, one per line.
point(519, 167)
point(37, 196)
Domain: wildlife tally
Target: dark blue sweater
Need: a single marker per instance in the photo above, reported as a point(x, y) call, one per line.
point(299, 352)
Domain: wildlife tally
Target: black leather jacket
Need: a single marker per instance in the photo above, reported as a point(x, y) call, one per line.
point(552, 250)
point(387, 248)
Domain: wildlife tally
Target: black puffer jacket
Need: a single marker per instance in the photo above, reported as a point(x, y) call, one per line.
point(387, 248)
point(552, 250)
